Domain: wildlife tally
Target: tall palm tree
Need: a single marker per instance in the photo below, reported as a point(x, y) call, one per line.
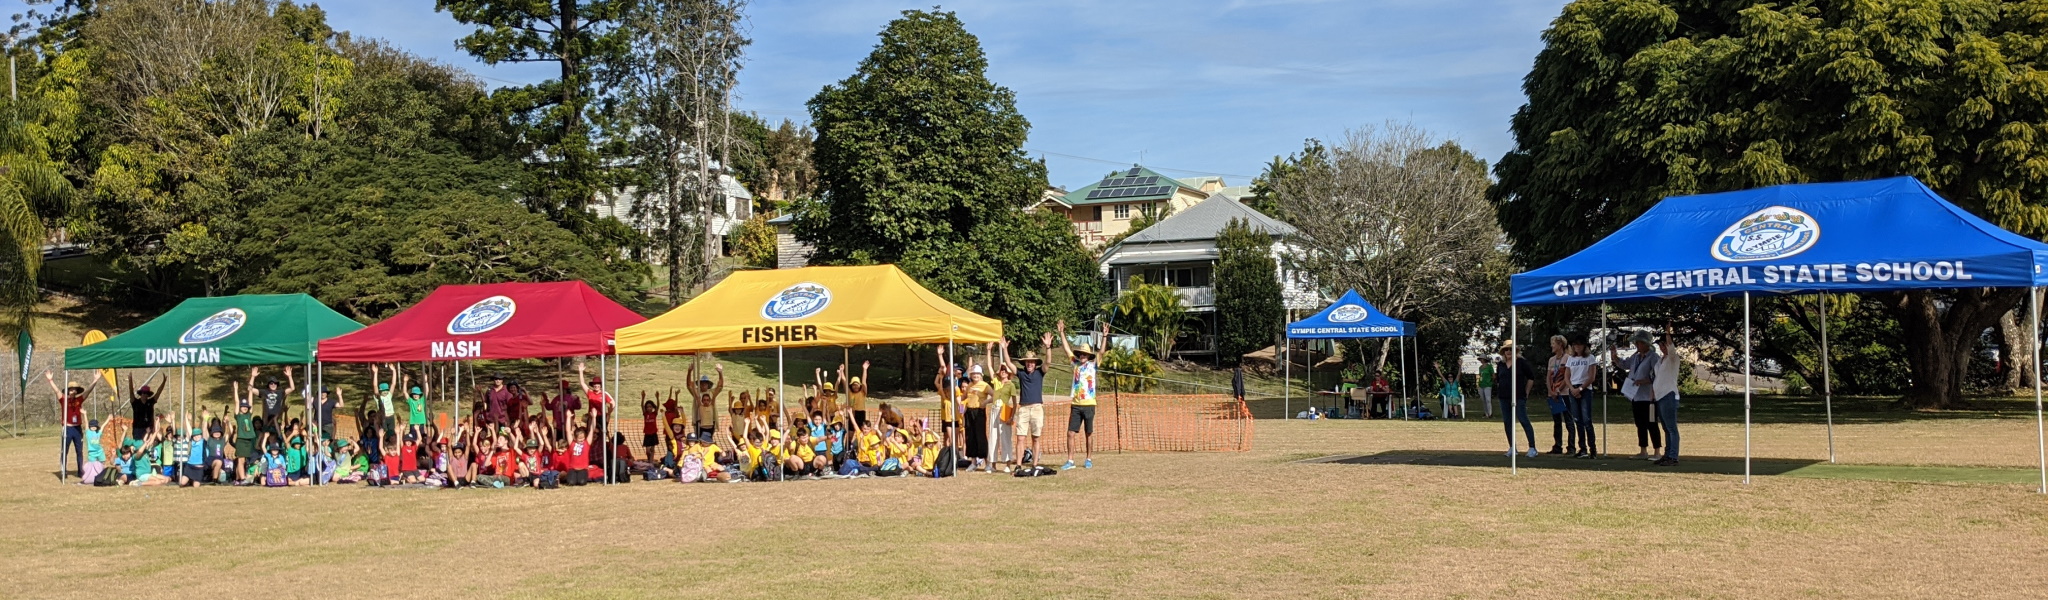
point(28, 179)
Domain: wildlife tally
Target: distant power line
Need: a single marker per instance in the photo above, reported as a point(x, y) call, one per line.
point(1125, 162)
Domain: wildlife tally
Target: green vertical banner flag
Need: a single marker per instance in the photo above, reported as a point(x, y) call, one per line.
point(24, 347)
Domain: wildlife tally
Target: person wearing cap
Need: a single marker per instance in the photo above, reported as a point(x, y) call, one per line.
point(416, 405)
point(974, 398)
point(1002, 397)
point(828, 391)
point(1030, 419)
point(857, 393)
point(1081, 414)
point(141, 407)
point(704, 394)
point(244, 429)
point(95, 455)
point(1514, 405)
point(72, 406)
point(216, 453)
point(272, 396)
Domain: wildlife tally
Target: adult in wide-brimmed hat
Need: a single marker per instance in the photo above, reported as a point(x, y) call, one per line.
point(1081, 414)
point(1030, 418)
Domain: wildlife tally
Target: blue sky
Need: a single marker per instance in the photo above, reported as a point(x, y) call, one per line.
point(1191, 86)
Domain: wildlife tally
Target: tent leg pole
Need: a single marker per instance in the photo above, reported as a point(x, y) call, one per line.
point(1286, 385)
point(781, 400)
point(1827, 382)
point(2040, 440)
point(1514, 376)
point(1746, 390)
point(1402, 345)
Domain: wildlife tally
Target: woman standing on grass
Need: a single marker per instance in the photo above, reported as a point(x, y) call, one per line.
point(1582, 367)
point(1641, 369)
point(1558, 382)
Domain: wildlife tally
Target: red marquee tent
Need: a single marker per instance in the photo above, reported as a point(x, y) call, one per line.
point(495, 321)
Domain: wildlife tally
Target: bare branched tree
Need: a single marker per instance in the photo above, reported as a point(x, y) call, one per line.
point(1403, 218)
point(677, 92)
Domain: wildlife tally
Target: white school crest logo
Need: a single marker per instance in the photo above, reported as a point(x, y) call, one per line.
point(485, 315)
point(1349, 313)
point(212, 329)
point(796, 302)
point(1768, 234)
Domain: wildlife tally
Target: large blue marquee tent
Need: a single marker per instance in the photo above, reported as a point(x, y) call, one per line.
point(1350, 317)
point(1862, 236)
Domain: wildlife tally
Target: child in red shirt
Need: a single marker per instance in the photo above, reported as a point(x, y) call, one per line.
point(650, 435)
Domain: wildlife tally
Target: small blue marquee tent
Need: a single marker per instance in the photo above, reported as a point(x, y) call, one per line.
point(1859, 236)
point(1350, 317)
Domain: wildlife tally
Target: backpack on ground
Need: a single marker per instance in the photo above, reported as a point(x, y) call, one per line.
point(1036, 471)
point(947, 465)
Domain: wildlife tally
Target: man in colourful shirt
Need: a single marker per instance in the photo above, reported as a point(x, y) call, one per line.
point(1081, 415)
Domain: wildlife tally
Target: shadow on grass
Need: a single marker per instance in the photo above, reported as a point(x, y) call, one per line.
point(1706, 465)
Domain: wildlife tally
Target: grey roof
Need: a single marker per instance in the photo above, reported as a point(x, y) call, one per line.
point(1205, 220)
point(783, 218)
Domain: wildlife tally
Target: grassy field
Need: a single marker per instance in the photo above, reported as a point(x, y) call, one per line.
point(1924, 506)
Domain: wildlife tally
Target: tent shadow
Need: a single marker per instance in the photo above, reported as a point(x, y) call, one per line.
point(1713, 465)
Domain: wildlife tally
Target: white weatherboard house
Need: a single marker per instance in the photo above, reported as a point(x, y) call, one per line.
point(1180, 251)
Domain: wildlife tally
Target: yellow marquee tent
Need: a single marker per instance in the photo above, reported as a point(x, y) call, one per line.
point(812, 306)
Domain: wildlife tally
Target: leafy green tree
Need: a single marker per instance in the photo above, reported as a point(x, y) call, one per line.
point(1249, 309)
point(554, 118)
point(921, 163)
point(1634, 100)
point(754, 243)
point(1401, 217)
point(171, 88)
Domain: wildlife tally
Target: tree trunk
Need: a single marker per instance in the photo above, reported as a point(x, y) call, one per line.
point(1939, 342)
point(2016, 347)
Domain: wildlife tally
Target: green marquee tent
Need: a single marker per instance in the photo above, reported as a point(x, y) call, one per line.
point(267, 329)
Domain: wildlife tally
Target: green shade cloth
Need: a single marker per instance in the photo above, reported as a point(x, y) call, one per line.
point(268, 329)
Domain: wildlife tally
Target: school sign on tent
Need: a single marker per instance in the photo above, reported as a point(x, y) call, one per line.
point(812, 306)
point(264, 329)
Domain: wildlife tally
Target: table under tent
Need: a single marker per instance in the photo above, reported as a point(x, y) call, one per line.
point(1350, 317)
point(497, 321)
point(809, 307)
point(1881, 235)
point(225, 331)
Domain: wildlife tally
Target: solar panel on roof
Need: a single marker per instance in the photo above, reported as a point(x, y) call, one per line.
point(1163, 189)
point(1093, 194)
point(1151, 180)
point(1133, 173)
